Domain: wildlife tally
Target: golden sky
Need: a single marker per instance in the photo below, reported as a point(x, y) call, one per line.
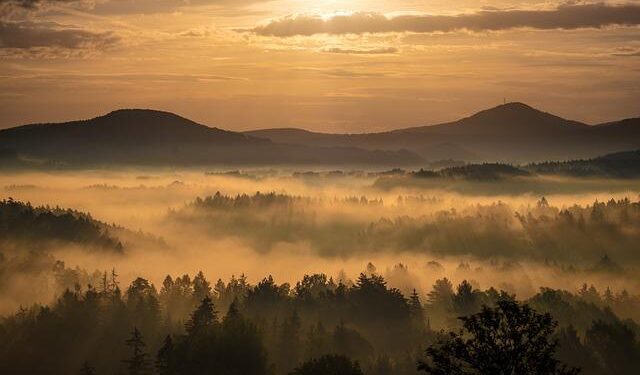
point(326, 65)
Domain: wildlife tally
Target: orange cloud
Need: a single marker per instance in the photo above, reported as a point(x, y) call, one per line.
point(563, 17)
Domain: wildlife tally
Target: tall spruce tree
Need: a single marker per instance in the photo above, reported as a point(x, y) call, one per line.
point(138, 363)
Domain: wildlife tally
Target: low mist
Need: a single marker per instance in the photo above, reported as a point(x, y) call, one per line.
point(303, 225)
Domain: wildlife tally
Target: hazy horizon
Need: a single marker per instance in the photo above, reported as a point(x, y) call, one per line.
point(311, 130)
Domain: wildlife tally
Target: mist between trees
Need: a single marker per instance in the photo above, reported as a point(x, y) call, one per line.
point(491, 244)
point(339, 227)
point(371, 277)
point(189, 325)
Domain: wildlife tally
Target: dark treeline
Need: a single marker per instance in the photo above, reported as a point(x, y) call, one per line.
point(538, 232)
point(624, 165)
point(30, 235)
point(190, 326)
point(479, 172)
point(265, 200)
point(24, 222)
point(616, 165)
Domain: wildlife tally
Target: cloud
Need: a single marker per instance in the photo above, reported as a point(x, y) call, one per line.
point(563, 17)
point(130, 6)
point(197, 32)
point(626, 52)
point(31, 4)
point(26, 34)
point(165, 6)
point(372, 51)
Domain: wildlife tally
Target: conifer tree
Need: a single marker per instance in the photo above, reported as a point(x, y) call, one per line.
point(204, 316)
point(165, 358)
point(137, 364)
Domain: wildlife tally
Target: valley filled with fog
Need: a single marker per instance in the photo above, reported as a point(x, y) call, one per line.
point(288, 223)
point(315, 260)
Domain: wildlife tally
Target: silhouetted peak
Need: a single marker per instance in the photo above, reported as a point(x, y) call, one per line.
point(521, 118)
point(516, 106)
point(513, 110)
point(513, 119)
point(147, 121)
point(143, 115)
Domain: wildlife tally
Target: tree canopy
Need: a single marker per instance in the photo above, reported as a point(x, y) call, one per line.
point(508, 339)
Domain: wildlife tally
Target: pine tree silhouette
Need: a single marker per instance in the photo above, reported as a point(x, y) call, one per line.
point(137, 364)
point(165, 358)
point(203, 316)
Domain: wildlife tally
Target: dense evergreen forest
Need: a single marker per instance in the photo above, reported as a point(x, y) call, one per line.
point(577, 235)
point(619, 165)
point(188, 324)
point(192, 326)
point(39, 225)
point(480, 172)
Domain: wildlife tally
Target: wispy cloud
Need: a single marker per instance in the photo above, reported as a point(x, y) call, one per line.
point(626, 52)
point(354, 51)
point(563, 17)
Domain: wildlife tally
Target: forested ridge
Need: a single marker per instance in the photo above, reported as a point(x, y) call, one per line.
point(619, 165)
point(23, 222)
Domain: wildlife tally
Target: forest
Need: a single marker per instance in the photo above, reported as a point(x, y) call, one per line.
point(190, 325)
point(22, 222)
point(539, 231)
point(273, 272)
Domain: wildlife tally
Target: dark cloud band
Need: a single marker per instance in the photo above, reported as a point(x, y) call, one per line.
point(24, 35)
point(564, 17)
point(131, 6)
point(30, 4)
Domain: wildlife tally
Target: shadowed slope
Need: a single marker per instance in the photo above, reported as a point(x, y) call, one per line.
point(513, 119)
point(148, 137)
point(511, 132)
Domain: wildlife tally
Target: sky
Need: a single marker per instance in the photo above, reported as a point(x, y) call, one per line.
point(326, 65)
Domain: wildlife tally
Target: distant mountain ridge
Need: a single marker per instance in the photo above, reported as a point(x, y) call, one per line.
point(123, 124)
point(512, 132)
point(517, 118)
point(150, 137)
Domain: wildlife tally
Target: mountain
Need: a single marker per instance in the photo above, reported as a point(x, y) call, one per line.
point(513, 132)
point(149, 137)
point(290, 135)
point(511, 119)
point(625, 128)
